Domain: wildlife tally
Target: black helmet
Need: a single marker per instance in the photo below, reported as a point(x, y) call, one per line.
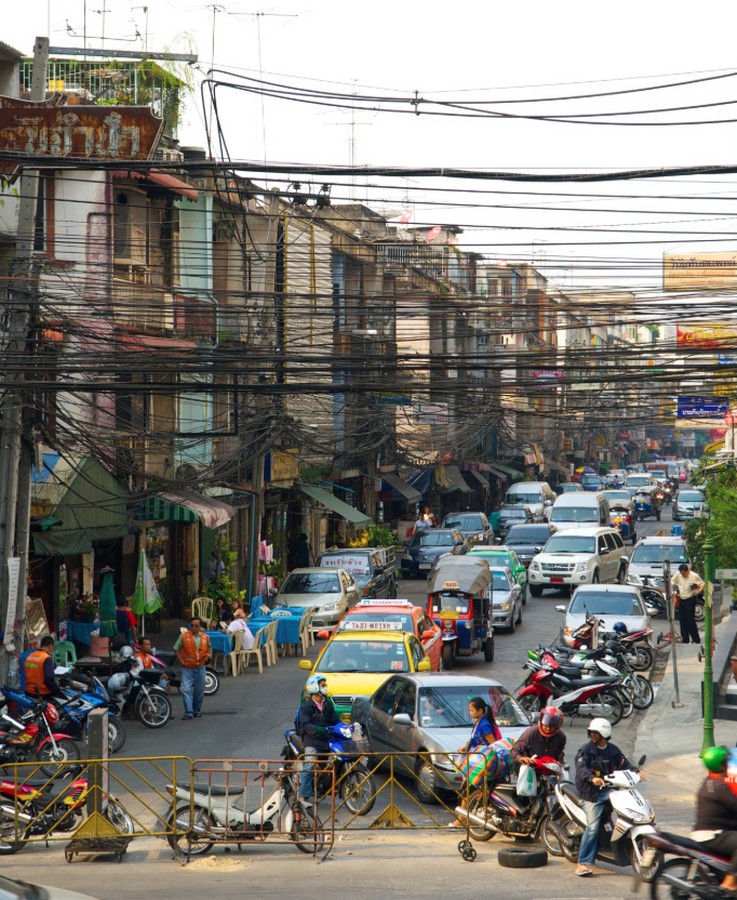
point(551, 718)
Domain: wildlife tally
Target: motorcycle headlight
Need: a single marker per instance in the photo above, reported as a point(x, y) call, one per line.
point(640, 818)
point(634, 578)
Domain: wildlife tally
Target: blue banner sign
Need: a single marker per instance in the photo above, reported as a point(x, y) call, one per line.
point(702, 408)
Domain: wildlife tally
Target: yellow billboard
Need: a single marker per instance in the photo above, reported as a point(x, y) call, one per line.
point(707, 336)
point(700, 271)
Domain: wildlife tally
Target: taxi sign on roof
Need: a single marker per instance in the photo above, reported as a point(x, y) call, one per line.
point(386, 602)
point(450, 585)
point(369, 625)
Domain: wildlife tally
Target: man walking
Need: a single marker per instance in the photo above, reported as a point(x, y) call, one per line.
point(193, 652)
point(687, 585)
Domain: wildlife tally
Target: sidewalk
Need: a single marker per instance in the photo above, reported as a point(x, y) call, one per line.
point(671, 737)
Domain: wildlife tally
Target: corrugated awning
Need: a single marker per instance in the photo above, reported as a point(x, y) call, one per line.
point(155, 342)
point(481, 478)
point(508, 471)
point(457, 480)
point(421, 480)
point(188, 506)
point(162, 179)
point(400, 485)
point(335, 504)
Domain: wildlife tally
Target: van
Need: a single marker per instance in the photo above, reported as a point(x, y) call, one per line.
point(571, 510)
point(535, 494)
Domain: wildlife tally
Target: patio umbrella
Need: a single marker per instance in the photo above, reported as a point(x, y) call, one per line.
point(146, 597)
point(108, 621)
point(585, 470)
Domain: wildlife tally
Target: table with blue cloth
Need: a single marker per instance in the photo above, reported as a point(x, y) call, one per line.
point(80, 631)
point(287, 631)
point(221, 642)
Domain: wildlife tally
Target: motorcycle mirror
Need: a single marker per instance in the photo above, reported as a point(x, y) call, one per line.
point(641, 761)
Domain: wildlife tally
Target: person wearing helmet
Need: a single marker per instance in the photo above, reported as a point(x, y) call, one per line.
point(716, 812)
point(544, 739)
point(687, 586)
point(597, 758)
point(316, 714)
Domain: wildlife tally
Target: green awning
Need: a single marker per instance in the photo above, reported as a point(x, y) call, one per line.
point(338, 506)
point(508, 470)
point(188, 506)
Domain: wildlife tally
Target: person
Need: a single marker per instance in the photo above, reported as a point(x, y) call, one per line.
point(236, 608)
point(125, 619)
point(597, 758)
point(544, 739)
point(302, 553)
point(485, 731)
point(428, 518)
point(146, 660)
point(239, 626)
point(716, 813)
point(223, 612)
point(686, 586)
point(39, 671)
point(315, 715)
point(193, 652)
point(421, 523)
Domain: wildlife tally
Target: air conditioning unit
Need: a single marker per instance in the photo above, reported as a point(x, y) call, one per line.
point(187, 471)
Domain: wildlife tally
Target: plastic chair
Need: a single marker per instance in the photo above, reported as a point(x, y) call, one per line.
point(241, 658)
point(65, 653)
point(272, 651)
point(306, 634)
point(204, 609)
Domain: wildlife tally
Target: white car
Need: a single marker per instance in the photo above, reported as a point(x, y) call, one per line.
point(648, 559)
point(330, 592)
point(578, 556)
point(610, 603)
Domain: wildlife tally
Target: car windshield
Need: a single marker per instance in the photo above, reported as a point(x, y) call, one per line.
point(464, 523)
point(426, 537)
point(513, 512)
point(691, 496)
point(614, 496)
point(563, 543)
point(603, 603)
point(500, 582)
point(355, 563)
point(658, 473)
point(575, 514)
point(590, 479)
point(528, 534)
point(499, 557)
point(364, 656)
point(447, 707)
point(523, 495)
point(656, 553)
point(447, 601)
point(635, 480)
point(311, 583)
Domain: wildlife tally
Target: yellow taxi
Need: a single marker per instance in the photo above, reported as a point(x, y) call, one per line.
point(414, 620)
point(357, 661)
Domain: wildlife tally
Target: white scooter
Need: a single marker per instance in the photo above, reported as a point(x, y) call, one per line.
point(209, 812)
point(623, 831)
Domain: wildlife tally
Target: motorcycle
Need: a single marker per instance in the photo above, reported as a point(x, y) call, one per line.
point(625, 828)
point(589, 698)
point(635, 644)
point(163, 660)
point(354, 783)
point(500, 809)
point(32, 740)
point(48, 806)
point(695, 872)
point(210, 813)
point(138, 692)
point(81, 699)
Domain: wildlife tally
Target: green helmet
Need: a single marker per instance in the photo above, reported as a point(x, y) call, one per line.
point(715, 758)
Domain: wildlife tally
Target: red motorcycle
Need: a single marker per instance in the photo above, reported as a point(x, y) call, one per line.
point(32, 740)
point(591, 698)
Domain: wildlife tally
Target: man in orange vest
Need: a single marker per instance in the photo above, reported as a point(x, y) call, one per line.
point(39, 671)
point(193, 652)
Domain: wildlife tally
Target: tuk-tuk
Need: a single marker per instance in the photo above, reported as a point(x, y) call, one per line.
point(458, 601)
point(623, 520)
point(646, 504)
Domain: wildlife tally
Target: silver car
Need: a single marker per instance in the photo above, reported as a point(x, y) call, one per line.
point(689, 503)
point(506, 600)
point(647, 562)
point(429, 713)
point(608, 602)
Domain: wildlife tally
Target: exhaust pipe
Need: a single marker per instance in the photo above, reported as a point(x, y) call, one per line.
point(477, 820)
point(13, 813)
point(184, 825)
point(563, 836)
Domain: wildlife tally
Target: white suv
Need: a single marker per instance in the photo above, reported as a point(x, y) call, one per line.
point(578, 556)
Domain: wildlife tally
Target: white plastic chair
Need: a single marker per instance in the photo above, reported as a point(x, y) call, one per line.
point(272, 651)
point(204, 609)
point(240, 659)
point(305, 630)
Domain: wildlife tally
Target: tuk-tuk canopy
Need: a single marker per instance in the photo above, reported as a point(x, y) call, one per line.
point(462, 577)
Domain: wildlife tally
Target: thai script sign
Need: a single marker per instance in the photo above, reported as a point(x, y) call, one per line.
point(701, 408)
point(700, 271)
point(707, 335)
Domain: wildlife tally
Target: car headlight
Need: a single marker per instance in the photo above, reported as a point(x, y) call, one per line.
point(582, 566)
point(331, 607)
point(503, 606)
point(534, 566)
point(634, 578)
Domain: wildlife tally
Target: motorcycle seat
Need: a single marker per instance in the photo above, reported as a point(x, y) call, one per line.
point(570, 790)
point(39, 781)
point(508, 793)
point(216, 790)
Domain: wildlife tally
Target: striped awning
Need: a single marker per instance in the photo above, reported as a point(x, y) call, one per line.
point(188, 506)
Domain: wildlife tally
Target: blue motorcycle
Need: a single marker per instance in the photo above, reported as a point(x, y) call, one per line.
point(354, 784)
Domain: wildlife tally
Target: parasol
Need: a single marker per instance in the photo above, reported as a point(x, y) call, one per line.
point(585, 470)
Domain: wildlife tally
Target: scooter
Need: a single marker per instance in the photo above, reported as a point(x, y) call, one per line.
point(592, 697)
point(500, 809)
point(31, 739)
point(695, 872)
point(209, 813)
point(163, 660)
point(624, 831)
point(354, 783)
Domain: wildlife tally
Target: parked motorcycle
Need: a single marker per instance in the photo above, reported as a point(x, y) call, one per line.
point(137, 692)
point(624, 830)
point(636, 644)
point(591, 697)
point(695, 872)
point(48, 806)
point(207, 813)
point(354, 783)
point(32, 740)
point(163, 662)
point(500, 809)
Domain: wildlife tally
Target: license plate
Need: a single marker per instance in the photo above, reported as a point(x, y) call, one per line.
point(345, 717)
point(556, 581)
point(423, 566)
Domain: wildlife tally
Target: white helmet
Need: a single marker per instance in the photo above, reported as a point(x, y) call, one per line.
point(602, 726)
point(118, 682)
point(125, 652)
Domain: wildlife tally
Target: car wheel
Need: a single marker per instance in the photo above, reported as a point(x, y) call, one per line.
point(595, 577)
point(536, 590)
point(512, 627)
point(425, 783)
point(620, 574)
point(519, 614)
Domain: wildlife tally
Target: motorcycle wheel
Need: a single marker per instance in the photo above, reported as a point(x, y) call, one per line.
point(155, 710)
point(212, 682)
point(607, 705)
point(66, 751)
point(358, 790)
point(641, 657)
point(478, 807)
point(118, 817)
point(8, 843)
point(189, 844)
point(307, 832)
point(548, 835)
point(662, 889)
point(627, 699)
point(570, 852)
point(644, 693)
point(531, 703)
point(649, 872)
point(116, 735)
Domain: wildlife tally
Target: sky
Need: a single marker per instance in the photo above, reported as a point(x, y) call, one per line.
point(477, 57)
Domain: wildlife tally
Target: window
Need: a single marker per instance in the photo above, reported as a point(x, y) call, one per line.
point(387, 695)
point(130, 229)
point(406, 701)
point(602, 547)
point(418, 654)
point(611, 543)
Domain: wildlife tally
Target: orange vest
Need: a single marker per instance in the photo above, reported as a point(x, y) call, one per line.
point(35, 683)
point(145, 659)
point(189, 655)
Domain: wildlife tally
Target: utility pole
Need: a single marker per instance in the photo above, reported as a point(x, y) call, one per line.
point(15, 452)
point(708, 682)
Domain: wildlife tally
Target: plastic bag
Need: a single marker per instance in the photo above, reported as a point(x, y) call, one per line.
point(490, 763)
point(526, 781)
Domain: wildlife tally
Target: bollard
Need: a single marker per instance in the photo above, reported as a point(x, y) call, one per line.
point(97, 743)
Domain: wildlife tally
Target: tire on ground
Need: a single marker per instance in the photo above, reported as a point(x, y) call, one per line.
point(522, 858)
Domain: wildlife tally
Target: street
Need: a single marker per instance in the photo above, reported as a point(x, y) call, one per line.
point(246, 719)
